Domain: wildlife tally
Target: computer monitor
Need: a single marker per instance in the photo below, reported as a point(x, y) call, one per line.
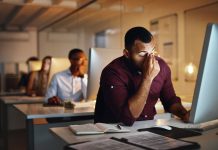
point(35, 65)
point(205, 99)
point(98, 59)
point(58, 65)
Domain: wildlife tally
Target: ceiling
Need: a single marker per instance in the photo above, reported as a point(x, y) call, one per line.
point(19, 15)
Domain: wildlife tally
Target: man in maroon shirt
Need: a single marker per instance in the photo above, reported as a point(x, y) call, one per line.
point(131, 85)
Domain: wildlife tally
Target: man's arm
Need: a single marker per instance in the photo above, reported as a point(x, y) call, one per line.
point(170, 101)
point(51, 94)
point(138, 100)
point(178, 110)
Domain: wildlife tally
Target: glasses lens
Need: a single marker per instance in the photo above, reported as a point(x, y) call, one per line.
point(142, 53)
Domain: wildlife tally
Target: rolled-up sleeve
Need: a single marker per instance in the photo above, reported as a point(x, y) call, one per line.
point(115, 95)
point(167, 95)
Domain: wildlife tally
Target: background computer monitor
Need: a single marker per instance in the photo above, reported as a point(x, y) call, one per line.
point(58, 65)
point(35, 65)
point(205, 99)
point(98, 59)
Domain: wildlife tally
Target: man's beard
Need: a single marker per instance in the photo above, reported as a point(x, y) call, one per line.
point(137, 66)
point(77, 72)
point(80, 73)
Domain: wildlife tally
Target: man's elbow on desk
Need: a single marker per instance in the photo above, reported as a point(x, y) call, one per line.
point(127, 118)
point(128, 122)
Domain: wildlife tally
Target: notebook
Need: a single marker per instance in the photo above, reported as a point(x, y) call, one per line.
point(98, 128)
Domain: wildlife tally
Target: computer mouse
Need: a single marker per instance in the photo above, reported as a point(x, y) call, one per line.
point(162, 127)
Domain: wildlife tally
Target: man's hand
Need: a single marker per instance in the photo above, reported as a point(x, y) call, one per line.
point(186, 116)
point(55, 100)
point(150, 67)
point(178, 110)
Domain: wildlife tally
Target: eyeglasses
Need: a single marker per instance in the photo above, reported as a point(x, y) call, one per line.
point(152, 51)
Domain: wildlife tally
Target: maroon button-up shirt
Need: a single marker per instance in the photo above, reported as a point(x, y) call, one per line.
point(119, 81)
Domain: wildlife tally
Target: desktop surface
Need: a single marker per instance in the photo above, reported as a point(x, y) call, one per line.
point(21, 99)
point(208, 139)
point(32, 111)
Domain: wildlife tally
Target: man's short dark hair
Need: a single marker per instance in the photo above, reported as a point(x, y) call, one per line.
point(137, 33)
point(73, 52)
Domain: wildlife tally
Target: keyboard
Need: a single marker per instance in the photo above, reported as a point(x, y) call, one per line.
point(200, 126)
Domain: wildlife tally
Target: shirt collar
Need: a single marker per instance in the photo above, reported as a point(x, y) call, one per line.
point(68, 72)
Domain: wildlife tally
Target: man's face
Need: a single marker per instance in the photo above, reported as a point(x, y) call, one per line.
point(79, 64)
point(139, 52)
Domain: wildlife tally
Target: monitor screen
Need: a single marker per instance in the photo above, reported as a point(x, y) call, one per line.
point(35, 65)
point(58, 65)
point(98, 59)
point(205, 99)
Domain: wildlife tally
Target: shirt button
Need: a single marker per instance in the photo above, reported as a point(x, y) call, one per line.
point(146, 116)
point(112, 86)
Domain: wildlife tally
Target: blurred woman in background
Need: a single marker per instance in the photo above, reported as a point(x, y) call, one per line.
point(38, 80)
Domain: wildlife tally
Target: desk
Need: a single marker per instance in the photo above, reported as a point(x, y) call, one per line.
point(34, 111)
point(208, 140)
point(6, 104)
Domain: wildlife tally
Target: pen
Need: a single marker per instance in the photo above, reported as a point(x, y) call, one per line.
point(118, 126)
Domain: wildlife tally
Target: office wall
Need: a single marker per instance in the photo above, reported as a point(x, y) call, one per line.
point(155, 10)
point(152, 10)
point(195, 25)
point(58, 44)
point(17, 46)
point(84, 38)
point(113, 32)
point(15, 49)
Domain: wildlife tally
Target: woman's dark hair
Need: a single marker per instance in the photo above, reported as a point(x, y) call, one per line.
point(46, 57)
point(33, 58)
